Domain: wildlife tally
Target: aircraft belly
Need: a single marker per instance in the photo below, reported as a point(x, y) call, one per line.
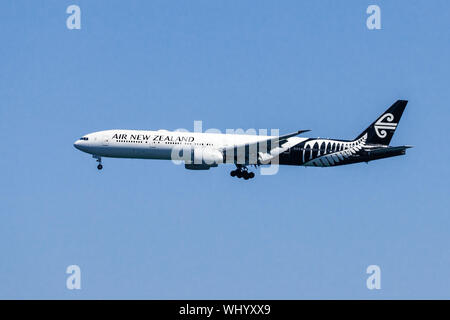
point(134, 152)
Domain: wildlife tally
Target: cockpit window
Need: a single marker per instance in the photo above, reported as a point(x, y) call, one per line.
point(84, 138)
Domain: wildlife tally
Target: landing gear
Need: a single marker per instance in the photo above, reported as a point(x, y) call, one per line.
point(99, 160)
point(242, 172)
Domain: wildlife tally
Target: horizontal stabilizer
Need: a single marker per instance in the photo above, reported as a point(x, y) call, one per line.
point(389, 151)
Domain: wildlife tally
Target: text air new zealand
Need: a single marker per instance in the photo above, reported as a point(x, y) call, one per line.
point(202, 151)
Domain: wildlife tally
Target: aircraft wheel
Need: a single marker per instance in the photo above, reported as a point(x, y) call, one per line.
point(99, 167)
point(233, 173)
point(251, 175)
point(239, 174)
point(245, 175)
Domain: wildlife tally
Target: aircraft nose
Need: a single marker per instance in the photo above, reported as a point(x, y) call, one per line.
point(77, 144)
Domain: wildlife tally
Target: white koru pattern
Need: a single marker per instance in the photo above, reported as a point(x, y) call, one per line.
point(340, 151)
point(381, 127)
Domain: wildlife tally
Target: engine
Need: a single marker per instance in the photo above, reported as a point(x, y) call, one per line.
point(197, 166)
point(203, 159)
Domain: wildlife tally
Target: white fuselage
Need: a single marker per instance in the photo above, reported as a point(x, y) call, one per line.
point(161, 144)
point(202, 151)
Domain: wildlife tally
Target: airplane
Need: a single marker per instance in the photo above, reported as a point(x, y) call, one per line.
point(202, 151)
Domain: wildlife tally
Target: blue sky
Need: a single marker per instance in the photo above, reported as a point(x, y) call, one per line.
point(149, 229)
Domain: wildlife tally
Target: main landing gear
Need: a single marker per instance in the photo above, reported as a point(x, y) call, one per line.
point(242, 172)
point(99, 160)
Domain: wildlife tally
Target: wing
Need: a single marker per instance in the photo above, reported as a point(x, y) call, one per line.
point(272, 140)
point(248, 151)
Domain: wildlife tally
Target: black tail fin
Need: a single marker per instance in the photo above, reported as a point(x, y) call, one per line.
point(382, 130)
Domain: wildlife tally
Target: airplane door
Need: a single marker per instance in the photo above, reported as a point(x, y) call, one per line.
point(105, 140)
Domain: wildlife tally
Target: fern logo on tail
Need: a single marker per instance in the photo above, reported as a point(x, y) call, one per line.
point(381, 126)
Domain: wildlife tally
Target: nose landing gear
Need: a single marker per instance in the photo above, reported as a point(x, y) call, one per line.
point(242, 172)
point(99, 160)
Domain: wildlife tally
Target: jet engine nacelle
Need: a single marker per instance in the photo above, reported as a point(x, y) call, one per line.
point(197, 166)
point(203, 159)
